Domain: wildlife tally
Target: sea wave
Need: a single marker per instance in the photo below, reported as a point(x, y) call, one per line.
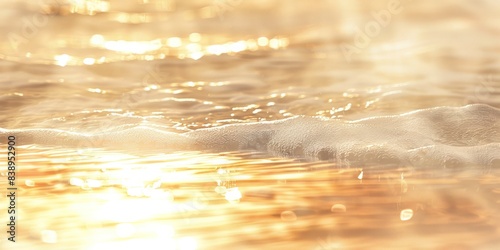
point(443, 136)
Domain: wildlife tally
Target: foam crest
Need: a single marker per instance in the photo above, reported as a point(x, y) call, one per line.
point(442, 136)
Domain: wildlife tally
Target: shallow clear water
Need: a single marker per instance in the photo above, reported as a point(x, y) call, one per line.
point(240, 124)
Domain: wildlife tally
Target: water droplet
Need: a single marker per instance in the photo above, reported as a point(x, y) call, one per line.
point(406, 214)
point(29, 183)
point(338, 208)
point(360, 176)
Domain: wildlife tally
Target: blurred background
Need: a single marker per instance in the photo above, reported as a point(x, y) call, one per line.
point(94, 66)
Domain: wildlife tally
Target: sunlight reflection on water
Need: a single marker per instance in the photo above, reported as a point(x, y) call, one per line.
point(94, 66)
point(299, 204)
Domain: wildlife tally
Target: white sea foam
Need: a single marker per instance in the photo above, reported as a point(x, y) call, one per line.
point(443, 136)
point(439, 136)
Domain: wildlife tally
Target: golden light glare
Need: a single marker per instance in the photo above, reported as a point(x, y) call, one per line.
point(62, 60)
point(89, 7)
point(49, 236)
point(233, 195)
point(89, 61)
point(133, 47)
point(191, 47)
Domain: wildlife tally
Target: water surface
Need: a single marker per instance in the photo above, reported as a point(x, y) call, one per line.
point(168, 124)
